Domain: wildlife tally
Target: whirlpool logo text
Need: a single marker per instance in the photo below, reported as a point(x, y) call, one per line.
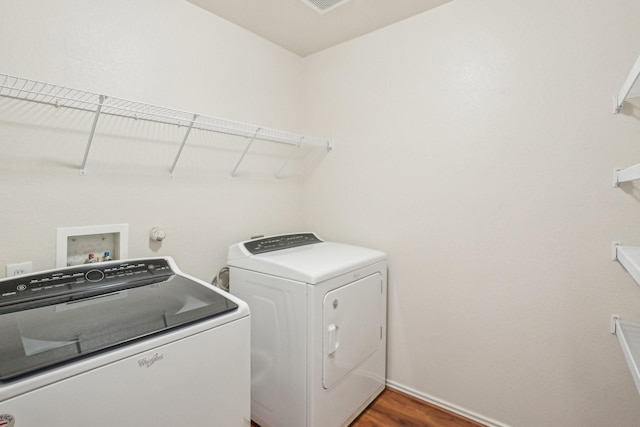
point(147, 362)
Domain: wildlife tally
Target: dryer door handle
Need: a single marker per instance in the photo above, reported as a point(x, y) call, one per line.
point(333, 343)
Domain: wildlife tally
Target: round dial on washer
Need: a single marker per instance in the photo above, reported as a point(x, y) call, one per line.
point(94, 275)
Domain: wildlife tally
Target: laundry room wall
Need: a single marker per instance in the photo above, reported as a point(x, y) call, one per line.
point(163, 52)
point(475, 144)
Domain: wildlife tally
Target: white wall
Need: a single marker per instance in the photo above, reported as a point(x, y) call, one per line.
point(475, 144)
point(169, 53)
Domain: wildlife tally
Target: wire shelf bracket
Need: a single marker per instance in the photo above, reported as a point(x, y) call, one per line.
point(83, 170)
point(631, 173)
point(244, 153)
point(629, 257)
point(287, 160)
point(184, 141)
point(630, 88)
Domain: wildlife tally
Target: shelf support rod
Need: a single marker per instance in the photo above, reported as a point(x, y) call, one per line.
point(83, 170)
point(284, 164)
point(244, 153)
point(632, 79)
point(184, 141)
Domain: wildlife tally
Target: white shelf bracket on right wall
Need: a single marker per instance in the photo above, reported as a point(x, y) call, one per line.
point(629, 257)
point(631, 173)
point(613, 325)
point(630, 88)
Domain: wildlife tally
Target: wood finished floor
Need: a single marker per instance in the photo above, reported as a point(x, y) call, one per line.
point(393, 408)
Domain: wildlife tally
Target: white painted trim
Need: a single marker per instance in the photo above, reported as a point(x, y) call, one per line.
point(445, 405)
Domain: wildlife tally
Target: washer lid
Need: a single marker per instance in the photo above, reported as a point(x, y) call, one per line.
point(68, 325)
point(310, 263)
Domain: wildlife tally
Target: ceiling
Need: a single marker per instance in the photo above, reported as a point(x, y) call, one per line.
point(302, 29)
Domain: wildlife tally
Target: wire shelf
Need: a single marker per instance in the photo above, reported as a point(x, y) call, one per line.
point(628, 334)
point(63, 97)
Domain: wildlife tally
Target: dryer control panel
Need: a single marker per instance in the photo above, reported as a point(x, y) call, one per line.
point(276, 243)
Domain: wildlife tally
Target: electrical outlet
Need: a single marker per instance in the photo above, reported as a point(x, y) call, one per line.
point(20, 268)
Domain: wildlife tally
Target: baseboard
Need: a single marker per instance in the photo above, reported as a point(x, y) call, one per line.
point(445, 405)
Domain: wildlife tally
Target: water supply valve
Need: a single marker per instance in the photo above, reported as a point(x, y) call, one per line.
point(157, 234)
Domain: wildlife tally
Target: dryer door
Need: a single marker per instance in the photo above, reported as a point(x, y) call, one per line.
point(352, 324)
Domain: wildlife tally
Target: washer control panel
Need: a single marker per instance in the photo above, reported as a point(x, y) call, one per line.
point(70, 280)
point(276, 243)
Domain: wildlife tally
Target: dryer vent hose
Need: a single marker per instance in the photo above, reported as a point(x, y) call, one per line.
point(222, 279)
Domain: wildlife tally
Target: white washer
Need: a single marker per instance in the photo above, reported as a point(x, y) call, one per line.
point(318, 327)
point(129, 343)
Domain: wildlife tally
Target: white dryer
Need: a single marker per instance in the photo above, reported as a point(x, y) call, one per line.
point(318, 327)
